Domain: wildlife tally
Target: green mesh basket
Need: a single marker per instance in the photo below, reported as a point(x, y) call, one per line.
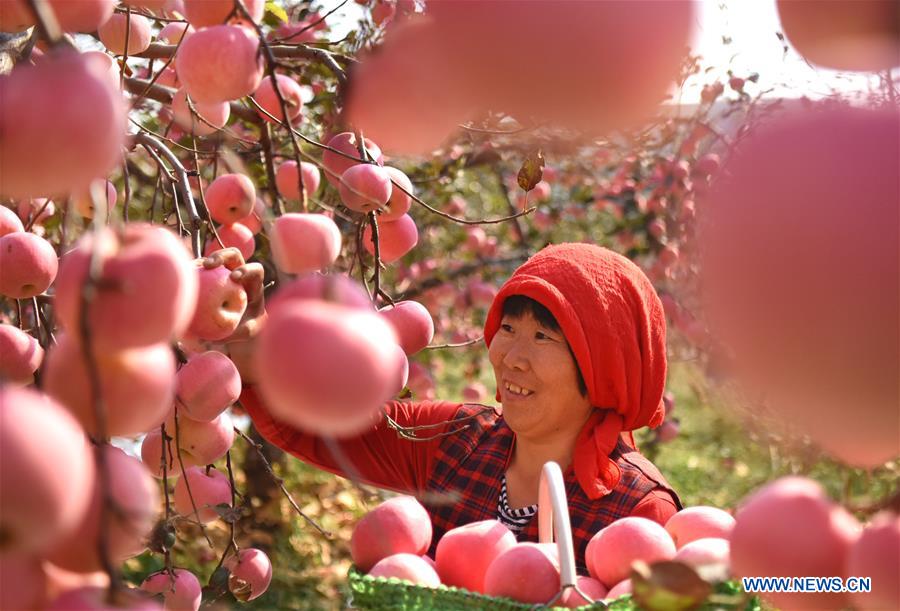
point(380, 593)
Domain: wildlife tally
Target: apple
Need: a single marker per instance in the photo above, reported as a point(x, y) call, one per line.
point(700, 522)
point(876, 554)
point(181, 588)
point(207, 385)
point(121, 27)
point(135, 499)
point(336, 164)
point(526, 572)
point(173, 31)
point(137, 385)
point(768, 227)
point(413, 324)
point(291, 93)
point(72, 15)
point(9, 222)
point(304, 243)
point(230, 197)
point(219, 63)
point(83, 203)
point(790, 528)
point(20, 355)
point(201, 443)
point(844, 34)
point(408, 567)
point(207, 488)
point(400, 525)
point(286, 179)
point(28, 265)
point(465, 553)
point(399, 202)
point(221, 303)
point(45, 480)
point(618, 590)
point(233, 235)
point(395, 238)
point(88, 137)
point(589, 586)
point(203, 13)
point(306, 352)
point(147, 287)
point(334, 288)
point(700, 552)
point(251, 574)
point(365, 187)
point(23, 582)
point(613, 549)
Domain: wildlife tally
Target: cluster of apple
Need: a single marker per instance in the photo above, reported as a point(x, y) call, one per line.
point(484, 557)
point(786, 528)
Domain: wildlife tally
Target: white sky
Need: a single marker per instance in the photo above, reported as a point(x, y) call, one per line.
point(751, 24)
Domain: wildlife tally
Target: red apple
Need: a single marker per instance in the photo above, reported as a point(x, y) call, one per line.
point(9, 221)
point(221, 303)
point(147, 287)
point(408, 567)
point(844, 34)
point(28, 265)
point(700, 522)
point(181, 588)
point(251, 574)
point(286, 179)
point(395, 238)
point(399, 525)
point(121, 27)
point(304, 243)
point(233, 235)
point(876, 554)
point(413, 324)
point(230, 197)
point(203, 13)
point(336, 164)
point(400, 202)
point(212, 115)
point(207, 489)
point(45, 480)
point(790, 528)
point(137, 385)
point(589, 586)
point(700, 552)
point(207, 385)
point(526, 572)
point(88, 137)
point(365, 187)
point(83, 203)
point(136, 500)
point(219, 63)
point(305, 354)
point(20, 355)
point(291, 93)
point(611, 551)
point(465, 553)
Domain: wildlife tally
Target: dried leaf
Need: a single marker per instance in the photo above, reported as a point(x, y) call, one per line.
point(531, 171)
point(667, 586)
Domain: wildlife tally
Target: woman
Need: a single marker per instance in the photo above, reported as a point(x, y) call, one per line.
point(577, 341)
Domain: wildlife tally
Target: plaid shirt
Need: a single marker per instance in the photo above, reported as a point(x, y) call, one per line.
point(473, 462)
point(468, 464)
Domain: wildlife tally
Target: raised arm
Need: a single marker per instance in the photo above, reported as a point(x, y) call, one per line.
point(380, 456)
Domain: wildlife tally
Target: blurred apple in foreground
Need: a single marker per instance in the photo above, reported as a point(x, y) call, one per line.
point(798, 241)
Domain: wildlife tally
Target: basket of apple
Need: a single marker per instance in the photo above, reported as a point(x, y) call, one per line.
point(632, 563)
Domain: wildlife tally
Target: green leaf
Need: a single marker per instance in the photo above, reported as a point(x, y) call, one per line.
point(532, 171)
point(276, 9)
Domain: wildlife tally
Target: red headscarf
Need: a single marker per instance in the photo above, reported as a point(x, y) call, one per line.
point(613, 320)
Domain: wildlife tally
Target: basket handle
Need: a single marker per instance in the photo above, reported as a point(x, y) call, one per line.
point(553, 518)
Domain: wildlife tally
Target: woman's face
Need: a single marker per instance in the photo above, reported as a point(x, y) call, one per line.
point(537, 378)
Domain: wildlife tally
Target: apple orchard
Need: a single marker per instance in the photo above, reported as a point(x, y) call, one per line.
point(199, 195)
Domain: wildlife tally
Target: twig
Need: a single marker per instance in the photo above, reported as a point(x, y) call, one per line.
point(280, 482)
point(471, 342)
point(184, 477)
point(183, 184)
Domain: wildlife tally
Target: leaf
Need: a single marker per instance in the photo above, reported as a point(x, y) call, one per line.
point(531, 171)
point(667, 586)
point(277, 10)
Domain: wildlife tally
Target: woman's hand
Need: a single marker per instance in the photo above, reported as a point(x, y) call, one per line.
point(239, 346)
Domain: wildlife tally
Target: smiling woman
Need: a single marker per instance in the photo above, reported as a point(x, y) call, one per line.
point(577, 341)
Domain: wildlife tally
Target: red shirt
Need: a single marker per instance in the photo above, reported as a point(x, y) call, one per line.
point(469, 463)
